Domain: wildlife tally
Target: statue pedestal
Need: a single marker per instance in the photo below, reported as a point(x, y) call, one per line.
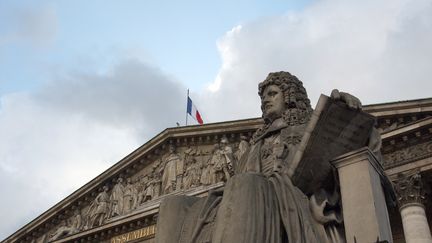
point(364, 207)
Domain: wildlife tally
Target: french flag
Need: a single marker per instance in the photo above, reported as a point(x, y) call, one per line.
point(193, 111)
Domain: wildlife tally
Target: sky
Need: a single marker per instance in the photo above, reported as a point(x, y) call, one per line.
point(84, 83)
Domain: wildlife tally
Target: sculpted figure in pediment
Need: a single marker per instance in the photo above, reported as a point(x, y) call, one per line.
point(141, 186)
point(117, 194)
point(192, 174)
point(229, 160)
point(149, 191)
point(63, 230)
point(156, 182)
point(67, 227)
point(222, 160)
point(172, 168)
point(208, 175)
point(98, 211)
point(130, 196)
point(242, 147)
point(77, 221)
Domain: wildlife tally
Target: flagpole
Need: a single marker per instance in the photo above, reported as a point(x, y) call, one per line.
point(187, 100)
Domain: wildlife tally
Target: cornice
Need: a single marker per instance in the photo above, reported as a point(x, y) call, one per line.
point(405, 129)
point(399, 107)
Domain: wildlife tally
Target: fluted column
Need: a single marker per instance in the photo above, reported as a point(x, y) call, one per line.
point(409, 189)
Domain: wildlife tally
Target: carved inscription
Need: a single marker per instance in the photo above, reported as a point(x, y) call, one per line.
point(143, 233)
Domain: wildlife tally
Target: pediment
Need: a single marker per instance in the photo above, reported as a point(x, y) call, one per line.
point(180, 160)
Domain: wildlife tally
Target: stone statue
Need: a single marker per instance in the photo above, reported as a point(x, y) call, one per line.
point(149, 188)
point(77, 221)
point(63, 230)
point(117, 198)
point(228, 155)
point(98, 211)
point(156, 182)
point(192, 174)
point(222, 160)
point(130, 196)
point(68, 227)
point(141, 186)
point(242, 147)
point(208, 175)
point(172, 166)
point(260, 203)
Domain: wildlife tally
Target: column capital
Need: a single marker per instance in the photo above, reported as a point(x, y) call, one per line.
point(409, 189)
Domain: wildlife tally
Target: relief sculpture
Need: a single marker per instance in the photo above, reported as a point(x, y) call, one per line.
point(130, 196)
point(192, 174)
point(242, 147)
point(68, 227)
point(208, 175)
point(221, 162)
point(117, 198)
point(98, 211)
point(408, 154)
point(172, 171)
point(228, 157)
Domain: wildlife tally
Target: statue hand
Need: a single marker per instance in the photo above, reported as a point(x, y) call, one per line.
point(352, 101)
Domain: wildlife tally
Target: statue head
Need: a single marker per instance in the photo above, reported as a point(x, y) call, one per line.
point(283, 96)
point(171, 148)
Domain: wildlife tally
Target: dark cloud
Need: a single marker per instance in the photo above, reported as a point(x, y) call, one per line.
point(56, 139)
point(132, 95)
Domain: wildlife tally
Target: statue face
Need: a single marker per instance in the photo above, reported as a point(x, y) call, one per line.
point(273, 102)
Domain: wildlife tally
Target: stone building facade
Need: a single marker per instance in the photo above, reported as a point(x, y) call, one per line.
point(121, 204)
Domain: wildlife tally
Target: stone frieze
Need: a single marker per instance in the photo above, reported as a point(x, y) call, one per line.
point(408, 154)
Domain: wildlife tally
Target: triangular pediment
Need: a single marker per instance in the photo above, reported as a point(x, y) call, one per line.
point(173, 162)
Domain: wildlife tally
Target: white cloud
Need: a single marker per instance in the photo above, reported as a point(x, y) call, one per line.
point(376, 50)
point(58, 138)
